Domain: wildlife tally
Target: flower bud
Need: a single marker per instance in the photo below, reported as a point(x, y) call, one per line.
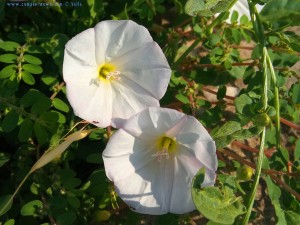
point(244, 173)
point(262, 119)
point(101, 215)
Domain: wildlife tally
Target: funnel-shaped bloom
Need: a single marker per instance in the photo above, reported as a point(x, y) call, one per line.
point(153, 158)
point(113, 71)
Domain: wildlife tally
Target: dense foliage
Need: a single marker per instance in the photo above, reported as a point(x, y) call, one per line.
point(254, 126)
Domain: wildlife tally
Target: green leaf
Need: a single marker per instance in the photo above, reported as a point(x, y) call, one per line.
point(31, 97)
point(296, 93)
point(32, 59)
point(56, 48)
point(206, 8)
point(98, 183)
point(71, 183)
point(232, 130)
point(34, 49)
point(219, 206)
point(50, 117)
point(8, 58)
point(61, 117)
point(234, 17)
point(10, 222)
point(30, 208)
point(8, 71)
point(221, 92)
point(66, 218)
point(274, 194)
point(282, 13)
point(6, 202)
point(292, 218)
point(297, 150)
point(40, 133)
point(25, 131)
point(9, 45)
point(10, 121)
point(4, 158)
point(49, 80)
point(214, 39)
point(96, 7)
point(31, 68)
point(41, 106)
point(19, 37)
point(237, 36)
point(182, 98)
point(227, 129)
point(74, 202)
point(214, 223)
point(60, 105)
point(243, 103)
point(27, 78)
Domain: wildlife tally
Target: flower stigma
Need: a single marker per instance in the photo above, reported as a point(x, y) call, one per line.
point(165, 146)
point(108, 72)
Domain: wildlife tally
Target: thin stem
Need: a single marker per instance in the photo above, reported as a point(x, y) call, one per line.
point(258, 28)
point(186, 53)
point(59, 87)
point(276, 100)
point(256, 177)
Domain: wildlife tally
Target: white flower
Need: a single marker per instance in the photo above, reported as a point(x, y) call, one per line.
point(153, 158)
point(113, 71)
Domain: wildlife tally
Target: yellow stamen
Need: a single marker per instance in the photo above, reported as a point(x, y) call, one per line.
point(108, 72)
point(165, 146)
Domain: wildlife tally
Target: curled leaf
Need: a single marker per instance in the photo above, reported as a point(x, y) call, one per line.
point(51, 154)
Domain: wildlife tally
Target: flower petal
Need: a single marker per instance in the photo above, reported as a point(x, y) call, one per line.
point(191, 163)
point(138, 193)
point(149, 188)
point(91, 101)
point(124, 155)
point(181, 197)
point(190, 131)
point(152, 122)
point(148, 67)
point(128, 99)
point(116, 37)
point(75, 71)
point(204, 151)
point(81, 48)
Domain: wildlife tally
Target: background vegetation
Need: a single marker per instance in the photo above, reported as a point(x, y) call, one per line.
point(240, 79)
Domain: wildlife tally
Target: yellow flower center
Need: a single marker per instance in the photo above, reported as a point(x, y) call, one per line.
point(108, 72)
point(165, 146)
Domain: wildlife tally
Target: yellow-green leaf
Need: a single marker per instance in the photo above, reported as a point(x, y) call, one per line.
point(27, 78)
point(9, 45)
point(32, 59)
point(8, 58)
point(60, 105)
point(8, 71)
point(5, 203)
point(31, 68)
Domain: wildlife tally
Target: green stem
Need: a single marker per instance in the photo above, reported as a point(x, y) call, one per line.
point(257, 24)
point(256, 177)
point(258, 28)
point(276, 100)
point(185, 54)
